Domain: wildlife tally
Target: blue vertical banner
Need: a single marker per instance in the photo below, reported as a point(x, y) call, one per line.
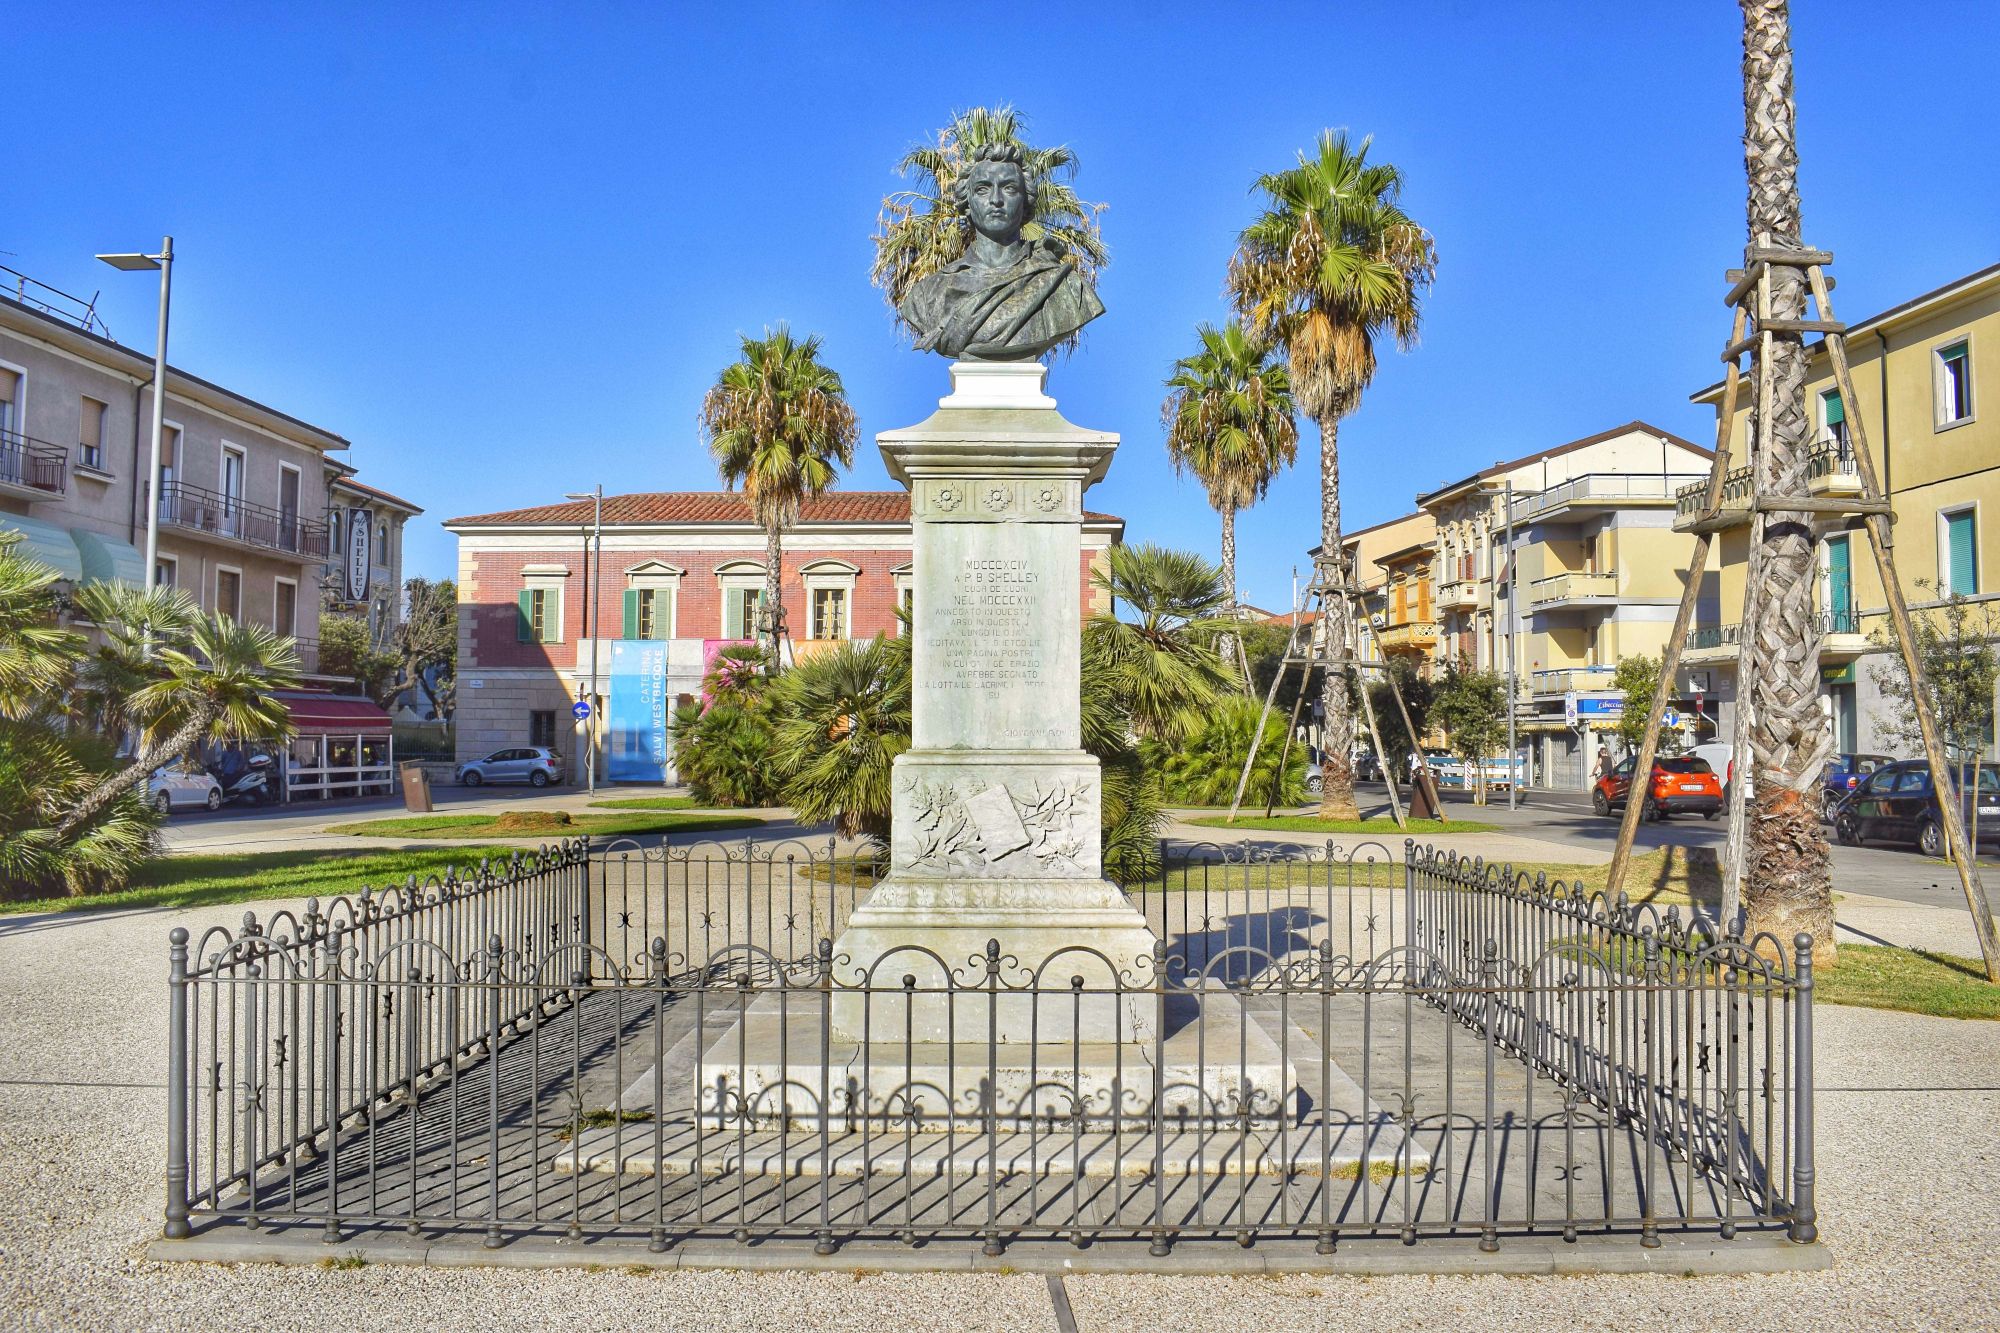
point(636, 732)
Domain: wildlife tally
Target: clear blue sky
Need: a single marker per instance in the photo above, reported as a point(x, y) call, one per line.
point(505, 252)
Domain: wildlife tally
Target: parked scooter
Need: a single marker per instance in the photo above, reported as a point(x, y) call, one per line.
point(254, 783)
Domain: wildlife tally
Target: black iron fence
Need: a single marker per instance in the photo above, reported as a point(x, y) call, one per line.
point(664, 1043)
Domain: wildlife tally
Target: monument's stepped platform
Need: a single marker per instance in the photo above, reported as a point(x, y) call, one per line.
point(1296, 1150)
point(1307, 1116)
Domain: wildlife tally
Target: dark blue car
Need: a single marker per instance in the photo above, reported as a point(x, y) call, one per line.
point(1844, 772)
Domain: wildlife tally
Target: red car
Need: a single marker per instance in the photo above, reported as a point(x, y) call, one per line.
point(1683, 783)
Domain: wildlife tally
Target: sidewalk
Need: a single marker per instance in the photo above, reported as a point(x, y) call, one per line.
point(1907, 1107)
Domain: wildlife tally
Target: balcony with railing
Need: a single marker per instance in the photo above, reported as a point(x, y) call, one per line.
point(32, 469)
point(1573, 589)
point(1840, 636)
point(1831, 469)
point(1706, 645)
point(227, 518)
point(1409, 636)
point(1840, 640)
point(1691, 502)
point(1561, 680)
point(1596, 492)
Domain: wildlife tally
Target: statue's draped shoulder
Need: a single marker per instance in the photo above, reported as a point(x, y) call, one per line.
point(1007, 312)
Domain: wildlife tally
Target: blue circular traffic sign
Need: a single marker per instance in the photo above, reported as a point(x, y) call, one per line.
point(580, 710)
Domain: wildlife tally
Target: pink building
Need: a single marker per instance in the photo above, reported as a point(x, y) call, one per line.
point(681, 568)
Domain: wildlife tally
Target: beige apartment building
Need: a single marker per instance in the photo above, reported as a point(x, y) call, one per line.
point(1926, 374)
point(1553, 567)
point(243, 497)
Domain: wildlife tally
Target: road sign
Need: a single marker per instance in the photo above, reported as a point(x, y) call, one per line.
point(580, 710)
point(1671, 720)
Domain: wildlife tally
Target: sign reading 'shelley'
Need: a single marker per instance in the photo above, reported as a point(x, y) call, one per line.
point(359, 554)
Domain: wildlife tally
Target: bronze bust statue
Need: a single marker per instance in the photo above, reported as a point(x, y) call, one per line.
point(1007, 298)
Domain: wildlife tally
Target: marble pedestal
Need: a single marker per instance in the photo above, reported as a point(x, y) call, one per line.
point(996, 805)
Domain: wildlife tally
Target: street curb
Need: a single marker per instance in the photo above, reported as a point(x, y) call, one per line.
point(1529, 1256)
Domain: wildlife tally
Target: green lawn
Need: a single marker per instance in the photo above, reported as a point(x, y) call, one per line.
point(652, 803)
point(1914, 980)
point(1314, 824)
point(543, 824)
point(197, 881)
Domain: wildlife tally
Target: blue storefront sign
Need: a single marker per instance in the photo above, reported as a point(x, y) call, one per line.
point(636, 737)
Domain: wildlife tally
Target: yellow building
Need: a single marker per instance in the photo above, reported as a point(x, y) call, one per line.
point(1392, 568)
point(1556, 565)
point(1922, 372)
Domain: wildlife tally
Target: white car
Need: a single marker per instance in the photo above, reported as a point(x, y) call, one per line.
point(178, 786)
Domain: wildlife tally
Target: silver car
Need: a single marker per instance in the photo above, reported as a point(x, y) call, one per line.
point(536, 765)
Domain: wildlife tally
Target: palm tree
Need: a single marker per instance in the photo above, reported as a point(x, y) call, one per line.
point(1229, 421)
point(36, 654)
point(215, 684)
point(1163, 665)
point(778, 422)
point(1331, 263)
point(920, 230)
point(1787, 875)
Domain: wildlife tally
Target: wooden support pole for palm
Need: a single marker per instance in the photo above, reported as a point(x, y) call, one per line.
point(1375, 732)
point(1670, 656)
point(1976, 900)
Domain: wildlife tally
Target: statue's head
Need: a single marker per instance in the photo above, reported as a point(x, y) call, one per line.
point(994, 191)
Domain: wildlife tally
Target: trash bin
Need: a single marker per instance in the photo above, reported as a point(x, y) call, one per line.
point(416, 786)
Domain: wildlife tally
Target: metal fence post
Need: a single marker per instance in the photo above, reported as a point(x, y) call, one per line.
point(495, 956)
point(1805, 1217)
point(1489, 976)
point(330, 1082)
point(1410, 894)
point(177, 1085)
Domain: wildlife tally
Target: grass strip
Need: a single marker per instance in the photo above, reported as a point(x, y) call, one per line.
point(542, 824)
point(244, 877)
point(651, 803)
point(1314, 824)
point(1916, 981)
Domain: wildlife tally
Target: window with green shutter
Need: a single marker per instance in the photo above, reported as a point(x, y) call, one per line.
point(524, 616)
point(1954, 384)
point(1834, 413)
point(631, 627)
point(1961, 554)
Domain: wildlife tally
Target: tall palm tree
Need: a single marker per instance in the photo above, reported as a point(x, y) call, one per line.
point(1229, 421)
point(922, 229)
point(1163, 664)
point(215, 684)
point(1788, 875)
point(778, 423)
point(1330, 264)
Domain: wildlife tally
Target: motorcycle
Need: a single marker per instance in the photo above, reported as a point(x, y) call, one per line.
point(253, 783)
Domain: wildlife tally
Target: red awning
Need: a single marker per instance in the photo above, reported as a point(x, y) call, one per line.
point(334, 714)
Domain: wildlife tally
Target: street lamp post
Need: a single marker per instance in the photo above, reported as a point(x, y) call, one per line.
point(593, 616)
point(137, 263)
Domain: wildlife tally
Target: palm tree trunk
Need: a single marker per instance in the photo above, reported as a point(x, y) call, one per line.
point(1336, 797)
point(150, 758)
point(1228, 644)
point(774, 603)
point(1787, 876)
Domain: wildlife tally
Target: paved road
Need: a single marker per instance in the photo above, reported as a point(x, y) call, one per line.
point(1549, 825)
point(1883, 872)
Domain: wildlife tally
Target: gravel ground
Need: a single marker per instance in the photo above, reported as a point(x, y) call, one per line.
point(1907, 1148)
